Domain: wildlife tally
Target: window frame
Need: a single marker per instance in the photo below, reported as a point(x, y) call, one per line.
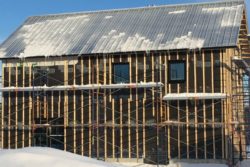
point(169, 71)
point(113, 71)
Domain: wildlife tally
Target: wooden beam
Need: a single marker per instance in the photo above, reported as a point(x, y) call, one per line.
point(129, 107)
point(113, 129)
point(223, 111)
point(204, 104)
point(129, 129)
point(9, 105)
point(121, 134)
point(137, 108)
point(178, 117)
point(187, 109)
point(195, 105)
point(97, 109)
point(143, 105)
point(90, 111)
point(31, 109)
point(168, 111)
point(105, 106)
point(65, 104)
point(82, 122)
point(16, 110)
point(153, 79)
point(23, 108)
point(213, 126)
point(143, 130)
point(74, 110)
point(3, 107)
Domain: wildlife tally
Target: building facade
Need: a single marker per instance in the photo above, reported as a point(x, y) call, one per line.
point(149, 84)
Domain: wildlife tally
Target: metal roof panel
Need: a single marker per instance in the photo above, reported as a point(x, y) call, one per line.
point(143, 29)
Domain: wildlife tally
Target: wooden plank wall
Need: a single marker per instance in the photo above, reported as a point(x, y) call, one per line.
point(110, 124)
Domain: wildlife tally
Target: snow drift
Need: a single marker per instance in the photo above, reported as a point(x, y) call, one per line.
point(177, 165)
point(46, 157)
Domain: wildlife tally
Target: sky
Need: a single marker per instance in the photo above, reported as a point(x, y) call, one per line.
point(14, 12)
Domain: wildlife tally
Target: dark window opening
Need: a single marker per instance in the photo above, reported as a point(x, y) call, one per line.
point(120, 73)
point(177, 71)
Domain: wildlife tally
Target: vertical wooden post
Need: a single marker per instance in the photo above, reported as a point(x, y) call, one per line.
point(65, 104)
point(97, 108)
point(74, 110)
point(90, 104)
point(110, 75)
point(212, 79)
point(16, 108)
point(160, 89)
point(37, 106)
point(59, 104)
point(82, 110)
point(136, 112)
point(9, 105)
point(168, 110)
point(3, 108)
point(23, 108)
point(121, 134)
point(105, 108)
point(82, 123)
point(129, 103)
point(129, 129)
point(113, 128)
point(113, 113)
point(52, 104)
point(178, 118)
point(204, 104)
point(143, 112)
point(195, 106)
point(153, 80)
point(30, 106)
point(143, 131)
point(187, 109)
point(90, 125)
point(223, 111)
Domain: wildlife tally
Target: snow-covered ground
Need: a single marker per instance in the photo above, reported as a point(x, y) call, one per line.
point(245, 163)
point(177, 165)
point(197, 165)
point(46, 157)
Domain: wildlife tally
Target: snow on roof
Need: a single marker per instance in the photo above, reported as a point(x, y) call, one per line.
point(47, 157)
point(190, 26)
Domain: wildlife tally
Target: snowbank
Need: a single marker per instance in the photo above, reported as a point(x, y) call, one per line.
point(177, 165)
point(245, 163)
point(197, 165)
point(46, 157)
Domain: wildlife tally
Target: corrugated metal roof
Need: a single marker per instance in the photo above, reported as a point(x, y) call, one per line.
point(150, 28)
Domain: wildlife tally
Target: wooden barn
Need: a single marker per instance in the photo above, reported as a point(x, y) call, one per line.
point(149, 84)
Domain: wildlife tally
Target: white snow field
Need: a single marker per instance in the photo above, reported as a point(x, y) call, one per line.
point(177, 165)
point(47, 157)
point(245, 163)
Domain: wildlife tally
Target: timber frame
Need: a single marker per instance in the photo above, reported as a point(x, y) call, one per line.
point(132, 123)
point(107, 124)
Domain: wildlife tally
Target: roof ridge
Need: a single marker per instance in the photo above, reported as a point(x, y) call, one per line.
point(144, 7)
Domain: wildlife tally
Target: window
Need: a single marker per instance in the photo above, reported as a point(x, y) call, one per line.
point(120, 73)
point(177, 71)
